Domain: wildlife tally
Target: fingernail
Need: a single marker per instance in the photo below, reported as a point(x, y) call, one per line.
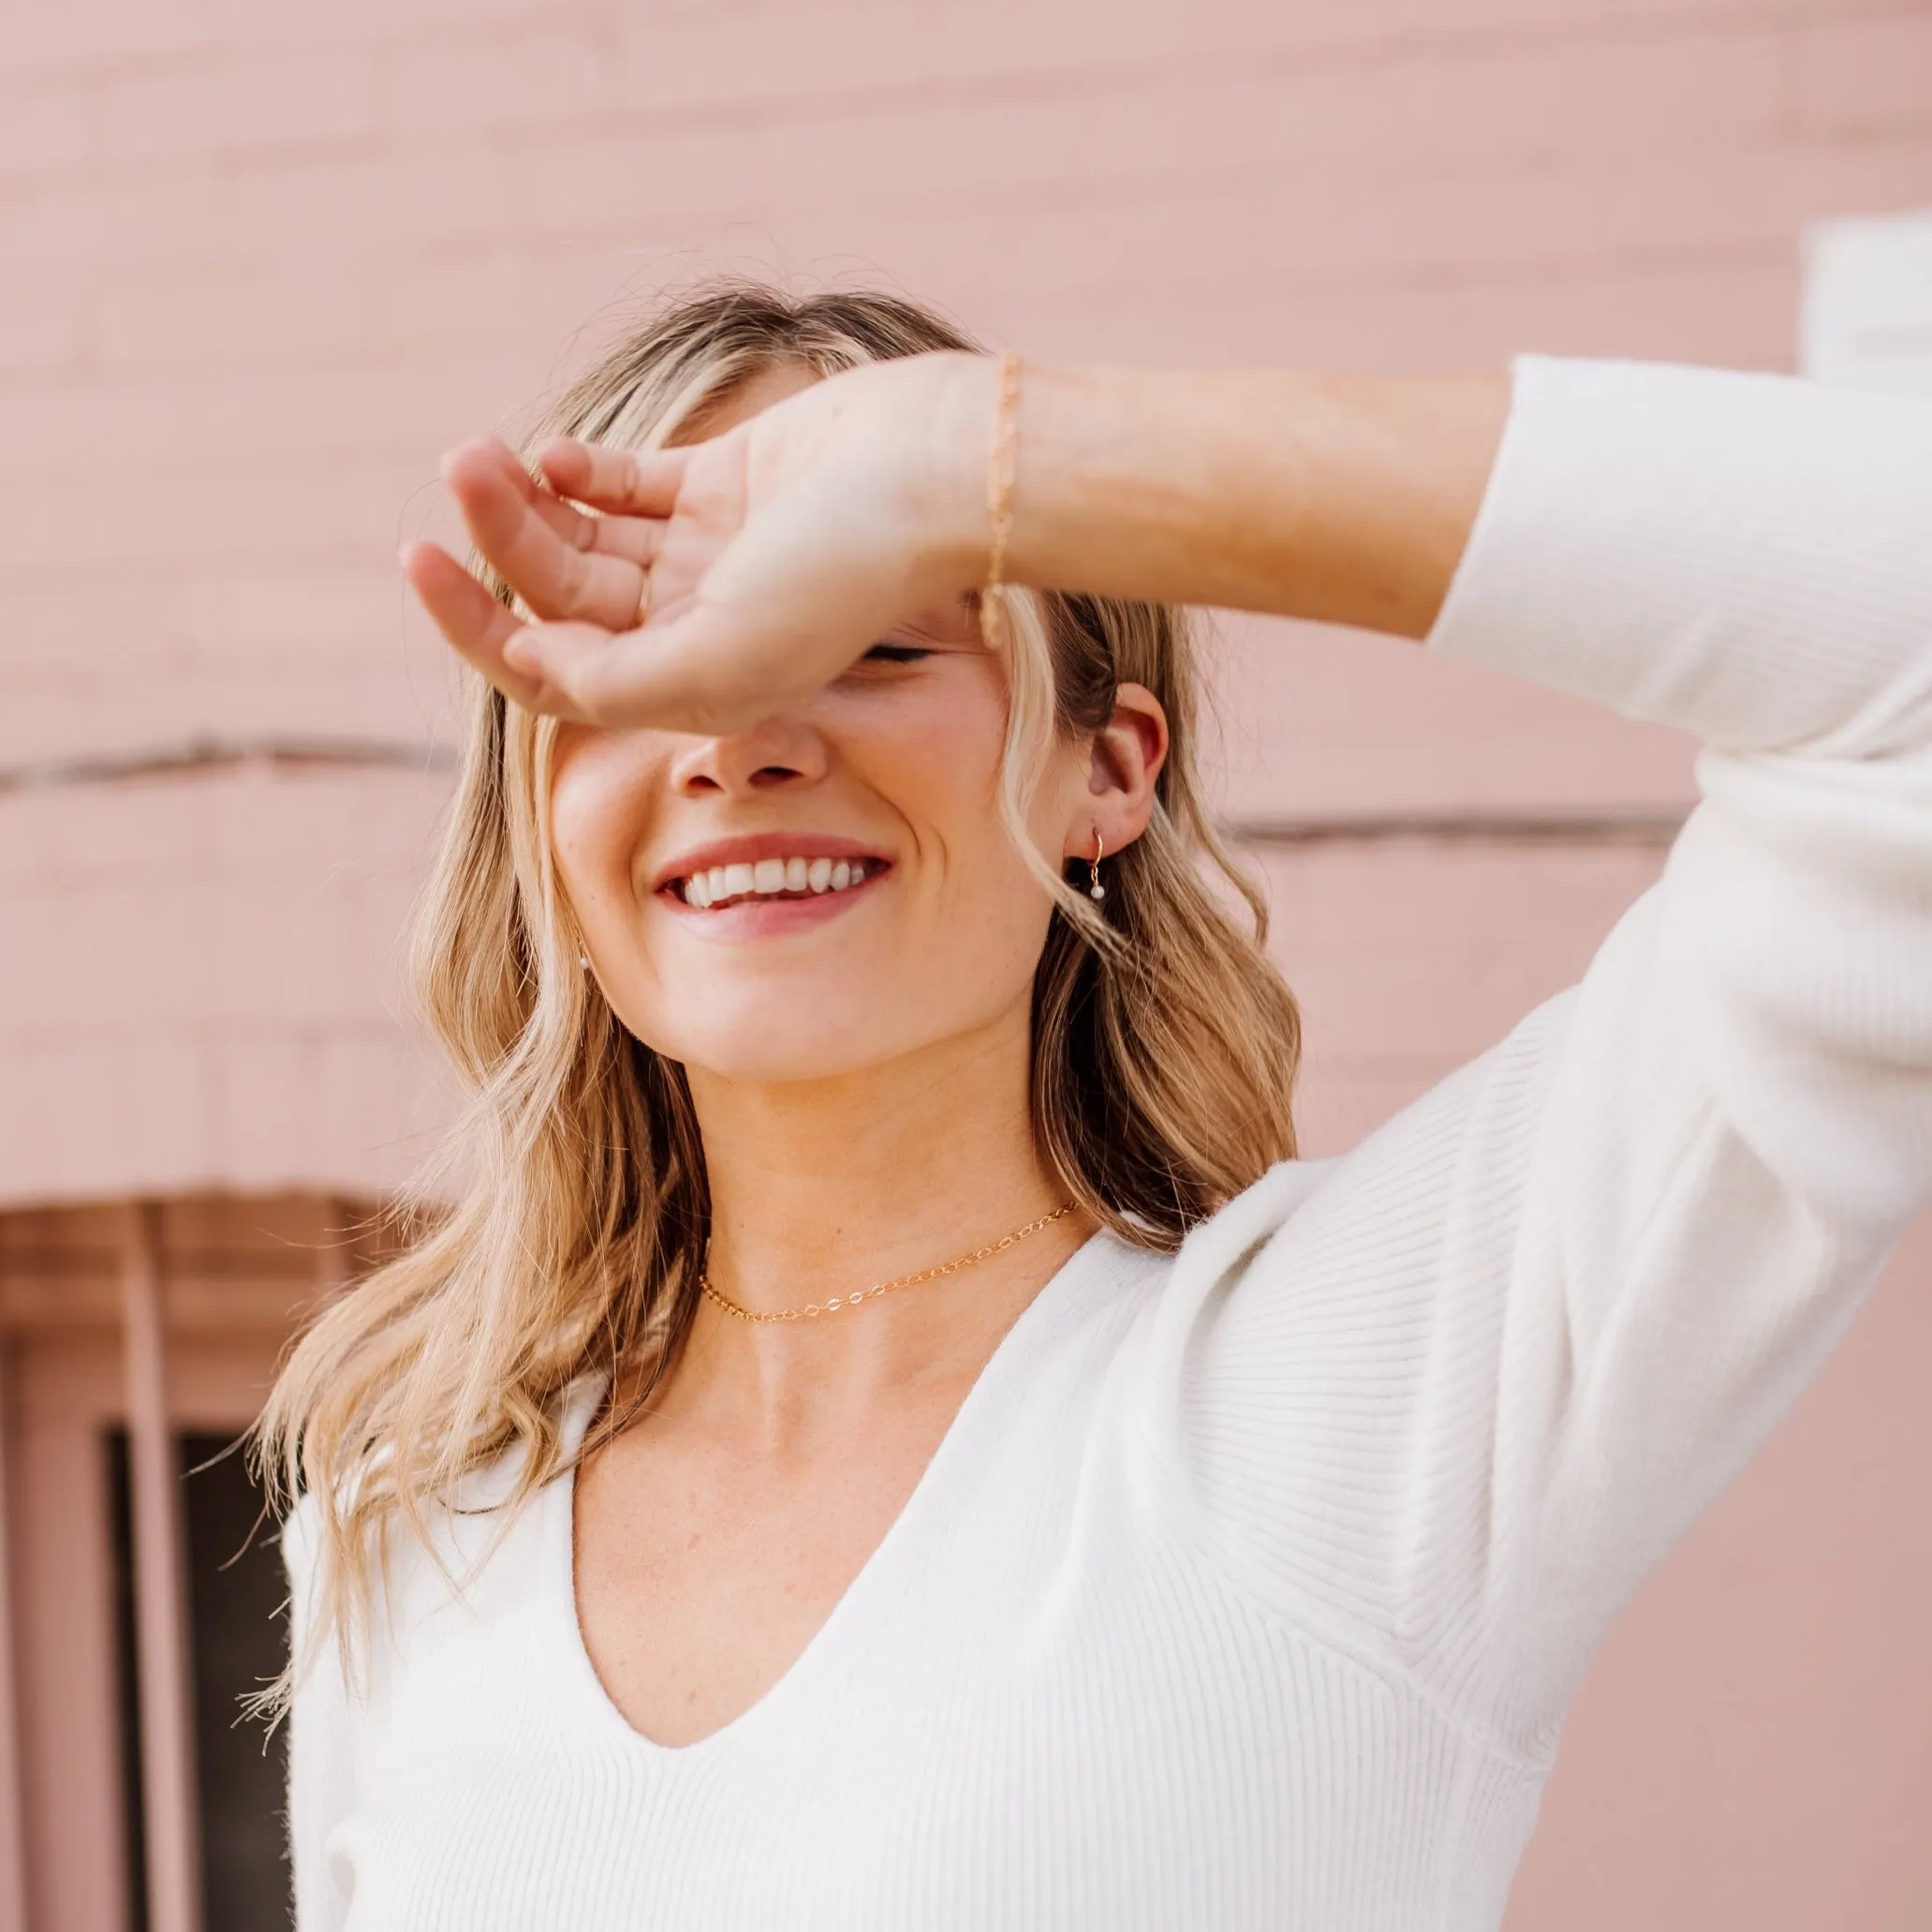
point(521, 652)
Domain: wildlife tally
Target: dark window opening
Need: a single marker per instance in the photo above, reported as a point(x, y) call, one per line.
point(238, 1642)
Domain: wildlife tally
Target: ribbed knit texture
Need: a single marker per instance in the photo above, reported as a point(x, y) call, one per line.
point(1249, 1587)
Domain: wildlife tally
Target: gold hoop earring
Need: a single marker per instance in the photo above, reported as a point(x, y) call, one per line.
point(1094, 889)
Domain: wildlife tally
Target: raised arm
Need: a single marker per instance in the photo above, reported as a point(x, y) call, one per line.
point(1524, 1334)
point(770, 559)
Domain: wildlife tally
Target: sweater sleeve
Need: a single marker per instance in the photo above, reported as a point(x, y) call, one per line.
point(320, 1778)
point(1457, 1406)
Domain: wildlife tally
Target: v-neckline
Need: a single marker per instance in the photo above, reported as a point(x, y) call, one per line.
point(1034, 1325)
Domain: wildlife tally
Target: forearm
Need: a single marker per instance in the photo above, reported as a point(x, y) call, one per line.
point(1342, 498)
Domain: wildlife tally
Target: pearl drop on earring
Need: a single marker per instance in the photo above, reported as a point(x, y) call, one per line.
point(1094, 889)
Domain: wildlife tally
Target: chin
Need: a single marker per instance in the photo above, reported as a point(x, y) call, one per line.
point(778, 1035)
point(810, 1011)
point(777, 1062)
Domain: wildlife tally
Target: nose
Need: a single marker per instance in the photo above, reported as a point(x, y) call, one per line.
point(771, 755)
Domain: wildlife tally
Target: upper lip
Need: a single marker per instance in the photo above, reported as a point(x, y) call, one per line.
point(749, 847)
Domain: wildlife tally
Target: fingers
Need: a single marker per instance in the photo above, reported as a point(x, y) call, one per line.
point(622, 482)
point(474, 623)
point(631, 539)
point(563, 564)
point(577, 672)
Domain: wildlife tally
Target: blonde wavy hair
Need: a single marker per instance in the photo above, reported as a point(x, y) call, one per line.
point(561, 1231)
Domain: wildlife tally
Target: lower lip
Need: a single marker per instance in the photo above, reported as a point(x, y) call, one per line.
point(767, 918)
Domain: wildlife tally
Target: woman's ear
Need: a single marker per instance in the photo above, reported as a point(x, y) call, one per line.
point(1127, 755)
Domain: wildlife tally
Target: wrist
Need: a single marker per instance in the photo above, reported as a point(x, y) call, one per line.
point(1058, 418)
point(953, 428)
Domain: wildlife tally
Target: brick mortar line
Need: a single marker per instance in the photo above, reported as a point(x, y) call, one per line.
point(1478, 274)
point(1043, 82)
point(1428, 44)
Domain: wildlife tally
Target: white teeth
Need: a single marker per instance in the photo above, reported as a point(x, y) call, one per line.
point(768, 876)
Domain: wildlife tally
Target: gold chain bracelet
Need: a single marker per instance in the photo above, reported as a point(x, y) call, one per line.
point(1001, 465)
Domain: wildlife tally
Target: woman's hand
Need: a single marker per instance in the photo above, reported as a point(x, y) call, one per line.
point(721, 581)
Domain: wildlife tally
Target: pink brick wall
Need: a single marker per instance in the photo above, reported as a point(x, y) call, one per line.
point(262, 262)
point(201, 984)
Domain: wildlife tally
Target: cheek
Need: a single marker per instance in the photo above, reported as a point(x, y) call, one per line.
point(941, 782)
point(936, 767)
point(971, 915)
point(942, 775)
point(599, 804)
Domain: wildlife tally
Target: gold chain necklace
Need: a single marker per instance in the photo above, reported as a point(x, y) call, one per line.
point(812, 1310)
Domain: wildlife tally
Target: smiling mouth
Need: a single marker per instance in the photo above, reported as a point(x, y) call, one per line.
point(772, 878)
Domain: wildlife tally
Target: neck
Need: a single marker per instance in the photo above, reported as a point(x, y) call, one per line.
point(821, 1187)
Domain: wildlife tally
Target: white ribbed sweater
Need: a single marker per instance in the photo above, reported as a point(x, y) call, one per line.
point(1249, 1587)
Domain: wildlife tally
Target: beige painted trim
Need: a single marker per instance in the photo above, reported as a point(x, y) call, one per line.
point(160, 1594)
point(40, 1303)
point(1611, 826)
point(13, 1828)
point(215, 754)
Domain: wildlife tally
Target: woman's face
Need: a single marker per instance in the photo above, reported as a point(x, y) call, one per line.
point(833, 887)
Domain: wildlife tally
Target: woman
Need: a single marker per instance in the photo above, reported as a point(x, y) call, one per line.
point(888, 1434)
